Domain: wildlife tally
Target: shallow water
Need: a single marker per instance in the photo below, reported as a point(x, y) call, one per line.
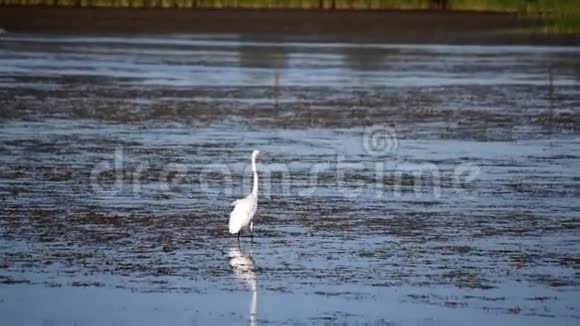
point(120, 156)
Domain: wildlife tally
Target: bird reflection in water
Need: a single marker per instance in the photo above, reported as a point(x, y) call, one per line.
point(244, 269)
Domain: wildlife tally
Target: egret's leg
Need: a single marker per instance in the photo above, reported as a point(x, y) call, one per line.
point(239, 235)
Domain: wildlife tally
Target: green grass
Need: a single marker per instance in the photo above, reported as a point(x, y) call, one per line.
point(561, 16)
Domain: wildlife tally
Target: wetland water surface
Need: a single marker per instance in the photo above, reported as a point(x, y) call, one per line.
point(120, 155)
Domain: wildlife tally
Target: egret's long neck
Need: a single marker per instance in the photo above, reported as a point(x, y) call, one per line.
point(255, 188)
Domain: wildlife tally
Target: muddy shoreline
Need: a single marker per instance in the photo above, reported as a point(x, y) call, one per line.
point(426, 26)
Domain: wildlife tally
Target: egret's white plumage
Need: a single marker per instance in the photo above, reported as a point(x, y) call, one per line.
point(245, 208)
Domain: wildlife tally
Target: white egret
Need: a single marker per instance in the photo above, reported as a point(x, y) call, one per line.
point(244, 209)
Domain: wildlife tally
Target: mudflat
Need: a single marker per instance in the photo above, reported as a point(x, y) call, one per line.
point(119, 156)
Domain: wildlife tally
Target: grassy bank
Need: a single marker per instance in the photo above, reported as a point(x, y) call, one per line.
point(235, 4)
point(561, 16)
